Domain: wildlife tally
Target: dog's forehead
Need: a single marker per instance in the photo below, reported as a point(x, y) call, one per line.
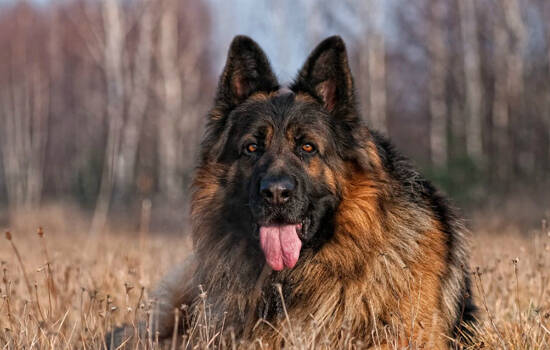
point(289, 109)
point(282, 110)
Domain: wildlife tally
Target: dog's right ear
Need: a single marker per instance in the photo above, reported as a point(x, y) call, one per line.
point(247, 70)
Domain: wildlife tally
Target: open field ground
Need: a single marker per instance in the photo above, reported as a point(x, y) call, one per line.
point(64, 290)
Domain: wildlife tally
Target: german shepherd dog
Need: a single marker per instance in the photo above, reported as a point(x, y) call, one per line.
point(305, 220)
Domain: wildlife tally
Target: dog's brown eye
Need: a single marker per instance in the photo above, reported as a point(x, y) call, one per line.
point(252, 147)
point(308, 147)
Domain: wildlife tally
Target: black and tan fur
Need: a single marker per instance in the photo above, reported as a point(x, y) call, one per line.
point(382, 250)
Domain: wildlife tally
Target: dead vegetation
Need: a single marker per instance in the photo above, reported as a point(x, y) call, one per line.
point(65, 290)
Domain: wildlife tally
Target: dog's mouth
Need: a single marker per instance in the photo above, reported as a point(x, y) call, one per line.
point(282, 243)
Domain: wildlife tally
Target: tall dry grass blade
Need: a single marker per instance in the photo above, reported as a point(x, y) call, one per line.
point(175, 330)
point(486, 307)
point(515, 262)
point(280, 291)
point(7, 297)
point(50, 280)
point(21, 265)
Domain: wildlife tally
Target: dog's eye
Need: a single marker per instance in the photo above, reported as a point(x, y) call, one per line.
point(308, 148)
point(251, 147)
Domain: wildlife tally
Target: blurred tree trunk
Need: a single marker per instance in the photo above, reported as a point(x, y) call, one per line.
point(500, 115)
point(25, 103)
point(362, 78)
point(170, 92)
point(438, 76)
point(190, 59)
point(515, 84)
point(112, 66)
point(514, 79)
point(546, 14)
point(376, 66)
point(314, 21)
point(474, 88)
point(137, 81)
point(24, 114)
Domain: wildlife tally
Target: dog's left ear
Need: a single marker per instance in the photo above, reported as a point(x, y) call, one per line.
point(326, 76)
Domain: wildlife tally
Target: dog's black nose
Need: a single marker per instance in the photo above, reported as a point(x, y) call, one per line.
point(277, 190)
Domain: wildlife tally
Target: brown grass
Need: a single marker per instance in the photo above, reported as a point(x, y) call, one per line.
point(65, 290)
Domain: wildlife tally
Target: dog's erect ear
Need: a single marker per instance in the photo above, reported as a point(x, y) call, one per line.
point(326, 75)
point(246, 71)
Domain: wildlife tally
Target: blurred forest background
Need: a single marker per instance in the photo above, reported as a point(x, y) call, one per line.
point(103, 102)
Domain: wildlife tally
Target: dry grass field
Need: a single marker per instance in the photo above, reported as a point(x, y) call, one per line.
point(64, 290)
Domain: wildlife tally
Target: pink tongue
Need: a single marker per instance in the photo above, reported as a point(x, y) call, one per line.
point(281, 245)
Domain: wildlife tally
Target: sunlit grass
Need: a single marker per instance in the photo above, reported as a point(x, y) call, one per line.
point(66, 290)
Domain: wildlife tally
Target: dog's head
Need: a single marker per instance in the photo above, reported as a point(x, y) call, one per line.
point(282, 152)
